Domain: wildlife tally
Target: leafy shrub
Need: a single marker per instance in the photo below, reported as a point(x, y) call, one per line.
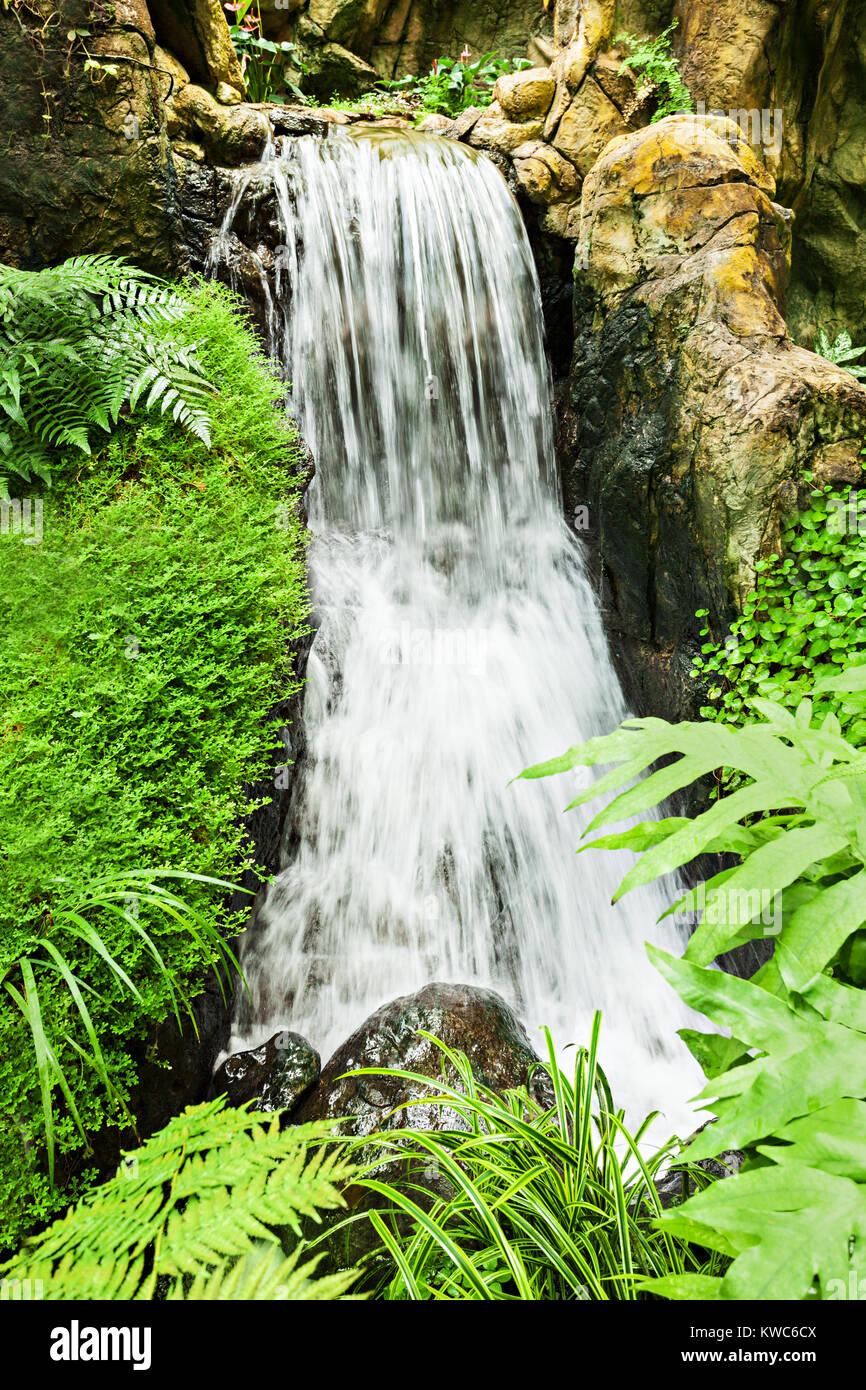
point(144, 641)
point(453, 85)
point(841, 351)
point(79, 341)
point(192, 1213)
point(653, 62)
point(794, 1099)
point(805, 619)
point(792, 1078)
point(266, 65)
point(552, 1203)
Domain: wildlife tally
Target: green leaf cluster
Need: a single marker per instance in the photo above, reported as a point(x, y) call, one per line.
point(652, 61)
point(788, 1087)
point(804, 622)
point(197, 1212)
point(841, 351)
point(81, 341)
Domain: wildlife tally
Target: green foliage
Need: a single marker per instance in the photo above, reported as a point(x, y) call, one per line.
point(653, 62)
point(804, 620)
point(545, 1203)
point(453, 85)
point(42, 961)
point(144, 643)
point(266, 65)
point(794, 1217)
point(80, 341)
point(792, 1078)
point(841, 351)
point(195, 1213)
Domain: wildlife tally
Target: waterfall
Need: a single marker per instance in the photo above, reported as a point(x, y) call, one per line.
point(458, 637)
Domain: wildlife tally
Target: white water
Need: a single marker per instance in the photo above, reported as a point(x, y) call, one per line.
point(460, 640)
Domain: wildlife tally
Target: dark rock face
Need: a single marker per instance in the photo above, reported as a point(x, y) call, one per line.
point(674, 1187)
point(177, 1066)
point(276, 1075)
point(471, 1020)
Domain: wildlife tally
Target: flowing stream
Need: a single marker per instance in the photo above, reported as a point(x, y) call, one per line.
point(458, 639)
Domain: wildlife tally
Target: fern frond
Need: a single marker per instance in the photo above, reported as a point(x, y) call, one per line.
point(199, 1204)
point(79, 342)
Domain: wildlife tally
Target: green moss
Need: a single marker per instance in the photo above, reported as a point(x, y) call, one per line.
point(144, 641)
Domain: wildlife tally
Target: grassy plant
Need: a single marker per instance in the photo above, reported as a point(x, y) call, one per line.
point(652, 61)
point(42, 963)
point(80, 342)
point(545, 1203)
point(195, 1213)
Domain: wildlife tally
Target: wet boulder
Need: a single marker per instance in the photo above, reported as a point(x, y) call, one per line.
point(472, 1020)
point(276, 1075)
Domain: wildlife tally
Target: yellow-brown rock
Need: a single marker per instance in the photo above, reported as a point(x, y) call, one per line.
point(544, 174)
point(590, 122)
point(525, 95)
point(494, 129)
point(692, 416)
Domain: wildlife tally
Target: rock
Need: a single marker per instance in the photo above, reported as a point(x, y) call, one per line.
point(198, 33)
point(759, 60)
point(525, 95)
point(436, 122)
point(544, 174)
point(177, 1066)
point(228, 96)
point(298, 120)
point(334, 69)
point(230, 134)
point(590, 122)
point(276, 1075)
point(494, 130)
point(690, 415)
point(167, 63)
point(470, 1019)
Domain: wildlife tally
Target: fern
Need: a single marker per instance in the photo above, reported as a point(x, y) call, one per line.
point(653, 61)
point(194, 1213)
point(79, 342)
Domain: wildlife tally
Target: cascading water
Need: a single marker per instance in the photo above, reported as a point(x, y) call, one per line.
point(459, 639)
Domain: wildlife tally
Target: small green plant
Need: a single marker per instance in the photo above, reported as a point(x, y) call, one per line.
point(546, 1203)
point(652, 61)
point(195, 1213)
point(789, 1086)
point(80, 342)
point(267, 66)
point(842, 352)
point(804, 620)
point(453, 85)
